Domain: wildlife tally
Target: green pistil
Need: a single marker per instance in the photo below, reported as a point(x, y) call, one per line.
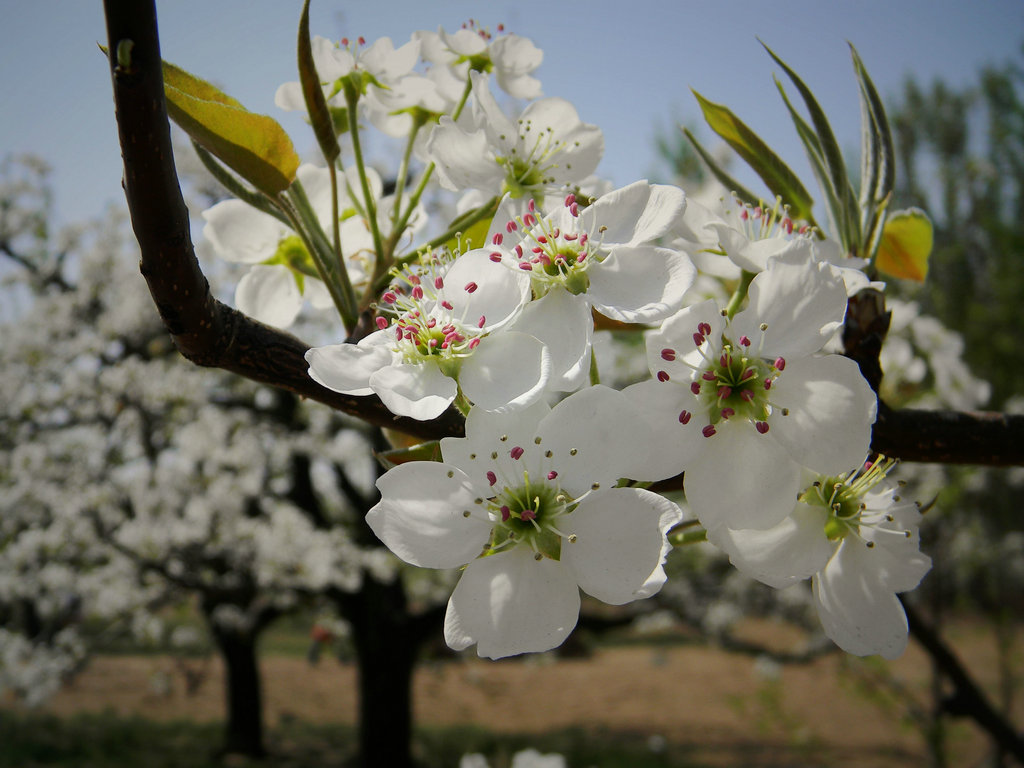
point(742, 378)
point(841, 496)
point(478, 62)
point(530, 512)
point(522, 178)
point(293, 254)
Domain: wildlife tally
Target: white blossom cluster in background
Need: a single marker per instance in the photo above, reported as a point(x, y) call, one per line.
point(131, 481)
point(546, 494)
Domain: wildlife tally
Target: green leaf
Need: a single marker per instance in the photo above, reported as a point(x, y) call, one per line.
point(474, 236)
point(812, 147)
point(833, 158)
point(316, 105)
point(720, 173)
point(254, 146)
point(878, 165)
point(906, 245)
point(769, 166)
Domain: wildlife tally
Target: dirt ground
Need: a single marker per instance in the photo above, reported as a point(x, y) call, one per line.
point(715, 705)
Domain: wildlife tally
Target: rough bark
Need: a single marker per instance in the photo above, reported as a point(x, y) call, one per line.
point(387, 638)
point(243, 727)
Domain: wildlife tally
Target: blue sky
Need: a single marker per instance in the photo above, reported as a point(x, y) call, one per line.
point(626, 66)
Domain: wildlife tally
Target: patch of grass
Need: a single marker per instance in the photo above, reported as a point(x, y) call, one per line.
point(31, 740)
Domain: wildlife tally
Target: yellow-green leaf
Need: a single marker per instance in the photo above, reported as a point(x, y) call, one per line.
point(255, 146)
point(906, 245)
point(475, 236)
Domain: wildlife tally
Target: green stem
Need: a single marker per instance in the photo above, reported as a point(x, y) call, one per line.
point(403, 174)
point(332, 272)
point(351, 100)
point(684, 534)
point(336, 216)
point(414, 200)
point(739, 294)
point(595, 377)
point(459, 225)
point(462, 403)
point(256, 199)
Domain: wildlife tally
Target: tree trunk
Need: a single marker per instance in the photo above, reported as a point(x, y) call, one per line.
point(387, 638)
point(243, 729)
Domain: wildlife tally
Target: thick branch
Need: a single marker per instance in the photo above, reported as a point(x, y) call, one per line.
point(967, 699)
point(204, 330)
point(950, 437)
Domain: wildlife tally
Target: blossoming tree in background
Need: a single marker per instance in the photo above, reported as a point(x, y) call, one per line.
point(475, 335)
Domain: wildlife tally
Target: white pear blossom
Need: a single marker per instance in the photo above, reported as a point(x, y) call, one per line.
point(282, 273)
point(527, 758)
point(510, 57)
point(380, 64)
point(530, 502)
point(731, 237)
point(857, 541)
point(544, 151)
point(444, 336)
point(742, 405)
point(599, 257)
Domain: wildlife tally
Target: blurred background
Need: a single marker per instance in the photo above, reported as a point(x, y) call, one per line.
point(184, 573)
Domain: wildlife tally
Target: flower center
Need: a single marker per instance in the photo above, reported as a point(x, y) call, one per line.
point(734, 385)
point(842, 498)
point(758, 222)
point(552, 256)
point(528, 514)
point(424, 321)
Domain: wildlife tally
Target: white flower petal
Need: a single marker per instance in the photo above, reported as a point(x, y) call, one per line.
point(831, 410)
point(860, 614)
point(331, 61)
point(316, 183)
point(421, 515)
point(289, 97)
point(593, 436)
point(802, 304)
point(634, 214)
point(791, 551)
point(754, 256)
point(420, 392)
point(514, 59)
point(484, 430)
point(564, 323)
point(640, 284)
point(238, 232)
point(741, 479)
point(509, 603)
point(347, 368)
point(669, 445)
point(676, 335)
point(620, 543)
point(579, 145)
point(506, 372)
point(500, 130)
point(269, 293)
point(463, 160)
point(317, 293)
point(477, 287)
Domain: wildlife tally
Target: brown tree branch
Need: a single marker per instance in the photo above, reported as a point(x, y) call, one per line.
point(204, 330)
point(967, 700)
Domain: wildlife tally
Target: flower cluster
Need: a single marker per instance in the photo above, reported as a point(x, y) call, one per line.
point(496, 313)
